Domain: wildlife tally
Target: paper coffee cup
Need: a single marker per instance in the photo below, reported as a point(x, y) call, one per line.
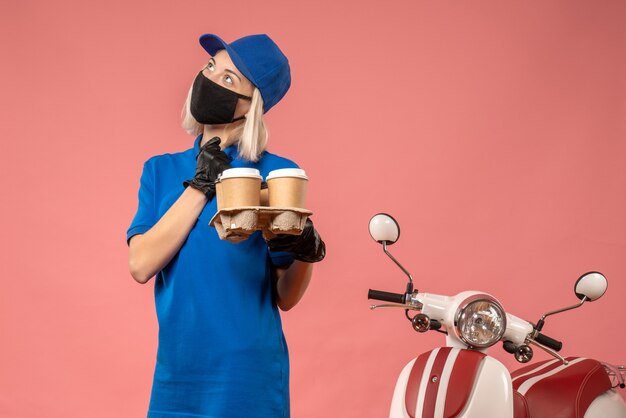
point(238, 187)
point(287, 187)
point(219, 195)
point(265, 197)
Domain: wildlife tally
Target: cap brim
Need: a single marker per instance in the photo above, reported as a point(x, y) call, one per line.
point(213, 43)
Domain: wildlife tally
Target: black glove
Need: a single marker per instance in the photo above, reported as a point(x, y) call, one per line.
point(210, 163)
point(307, 247)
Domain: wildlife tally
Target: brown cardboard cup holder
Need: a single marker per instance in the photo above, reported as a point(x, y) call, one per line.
point(243, 207)
point(237, 224)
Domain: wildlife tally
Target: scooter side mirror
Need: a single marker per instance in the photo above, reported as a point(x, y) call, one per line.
point(384, 229)
point(592, 285)
point(589, 287)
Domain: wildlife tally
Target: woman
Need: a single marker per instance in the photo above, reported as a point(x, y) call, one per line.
point(221, 350)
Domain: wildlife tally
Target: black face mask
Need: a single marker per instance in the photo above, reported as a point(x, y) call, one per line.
point(213, 104)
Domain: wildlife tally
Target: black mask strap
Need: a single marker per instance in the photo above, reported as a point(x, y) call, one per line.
point(241, 96)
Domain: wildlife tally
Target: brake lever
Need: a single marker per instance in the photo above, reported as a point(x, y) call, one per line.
point(393, 305)
point(547, 350)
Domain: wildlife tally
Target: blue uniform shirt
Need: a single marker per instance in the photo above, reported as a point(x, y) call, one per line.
point(222, 352)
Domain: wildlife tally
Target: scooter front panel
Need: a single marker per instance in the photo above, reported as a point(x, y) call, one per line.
point(398, 406)
point(492, 394)
point(452, 382)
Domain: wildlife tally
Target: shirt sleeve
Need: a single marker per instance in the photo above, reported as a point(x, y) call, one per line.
point(145, 217)
point(281, 259)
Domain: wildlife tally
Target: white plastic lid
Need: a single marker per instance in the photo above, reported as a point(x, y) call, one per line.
point(287, 172)
point(240, 172)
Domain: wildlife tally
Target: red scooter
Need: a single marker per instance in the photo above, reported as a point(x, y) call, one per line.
point(462, 380)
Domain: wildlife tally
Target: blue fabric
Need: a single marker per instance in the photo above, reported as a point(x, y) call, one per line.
point(222, 352)
point(260, 60)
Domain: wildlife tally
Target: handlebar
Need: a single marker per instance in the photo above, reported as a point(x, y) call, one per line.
point(549, 342)
point(401, 299)
point(386, 296)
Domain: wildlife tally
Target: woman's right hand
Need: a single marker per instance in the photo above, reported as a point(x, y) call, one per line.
point(210, 163)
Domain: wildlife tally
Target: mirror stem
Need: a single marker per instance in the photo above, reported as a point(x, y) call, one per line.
point(409, 285)
point(541, 321)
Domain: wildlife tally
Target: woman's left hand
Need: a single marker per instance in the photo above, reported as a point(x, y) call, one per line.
point(307, 247)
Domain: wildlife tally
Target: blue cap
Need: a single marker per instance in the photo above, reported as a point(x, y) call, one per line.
point(260, 60)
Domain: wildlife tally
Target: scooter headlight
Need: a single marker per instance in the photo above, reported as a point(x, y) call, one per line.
point(480, 321)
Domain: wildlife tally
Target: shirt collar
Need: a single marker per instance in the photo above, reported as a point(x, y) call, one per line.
point(231, 151)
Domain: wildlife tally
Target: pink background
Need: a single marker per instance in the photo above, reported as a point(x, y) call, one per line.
point(493, 131)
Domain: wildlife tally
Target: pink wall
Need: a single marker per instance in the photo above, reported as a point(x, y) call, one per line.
point(493, 131)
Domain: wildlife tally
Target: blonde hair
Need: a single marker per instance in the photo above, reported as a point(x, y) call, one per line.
point(251, 136)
